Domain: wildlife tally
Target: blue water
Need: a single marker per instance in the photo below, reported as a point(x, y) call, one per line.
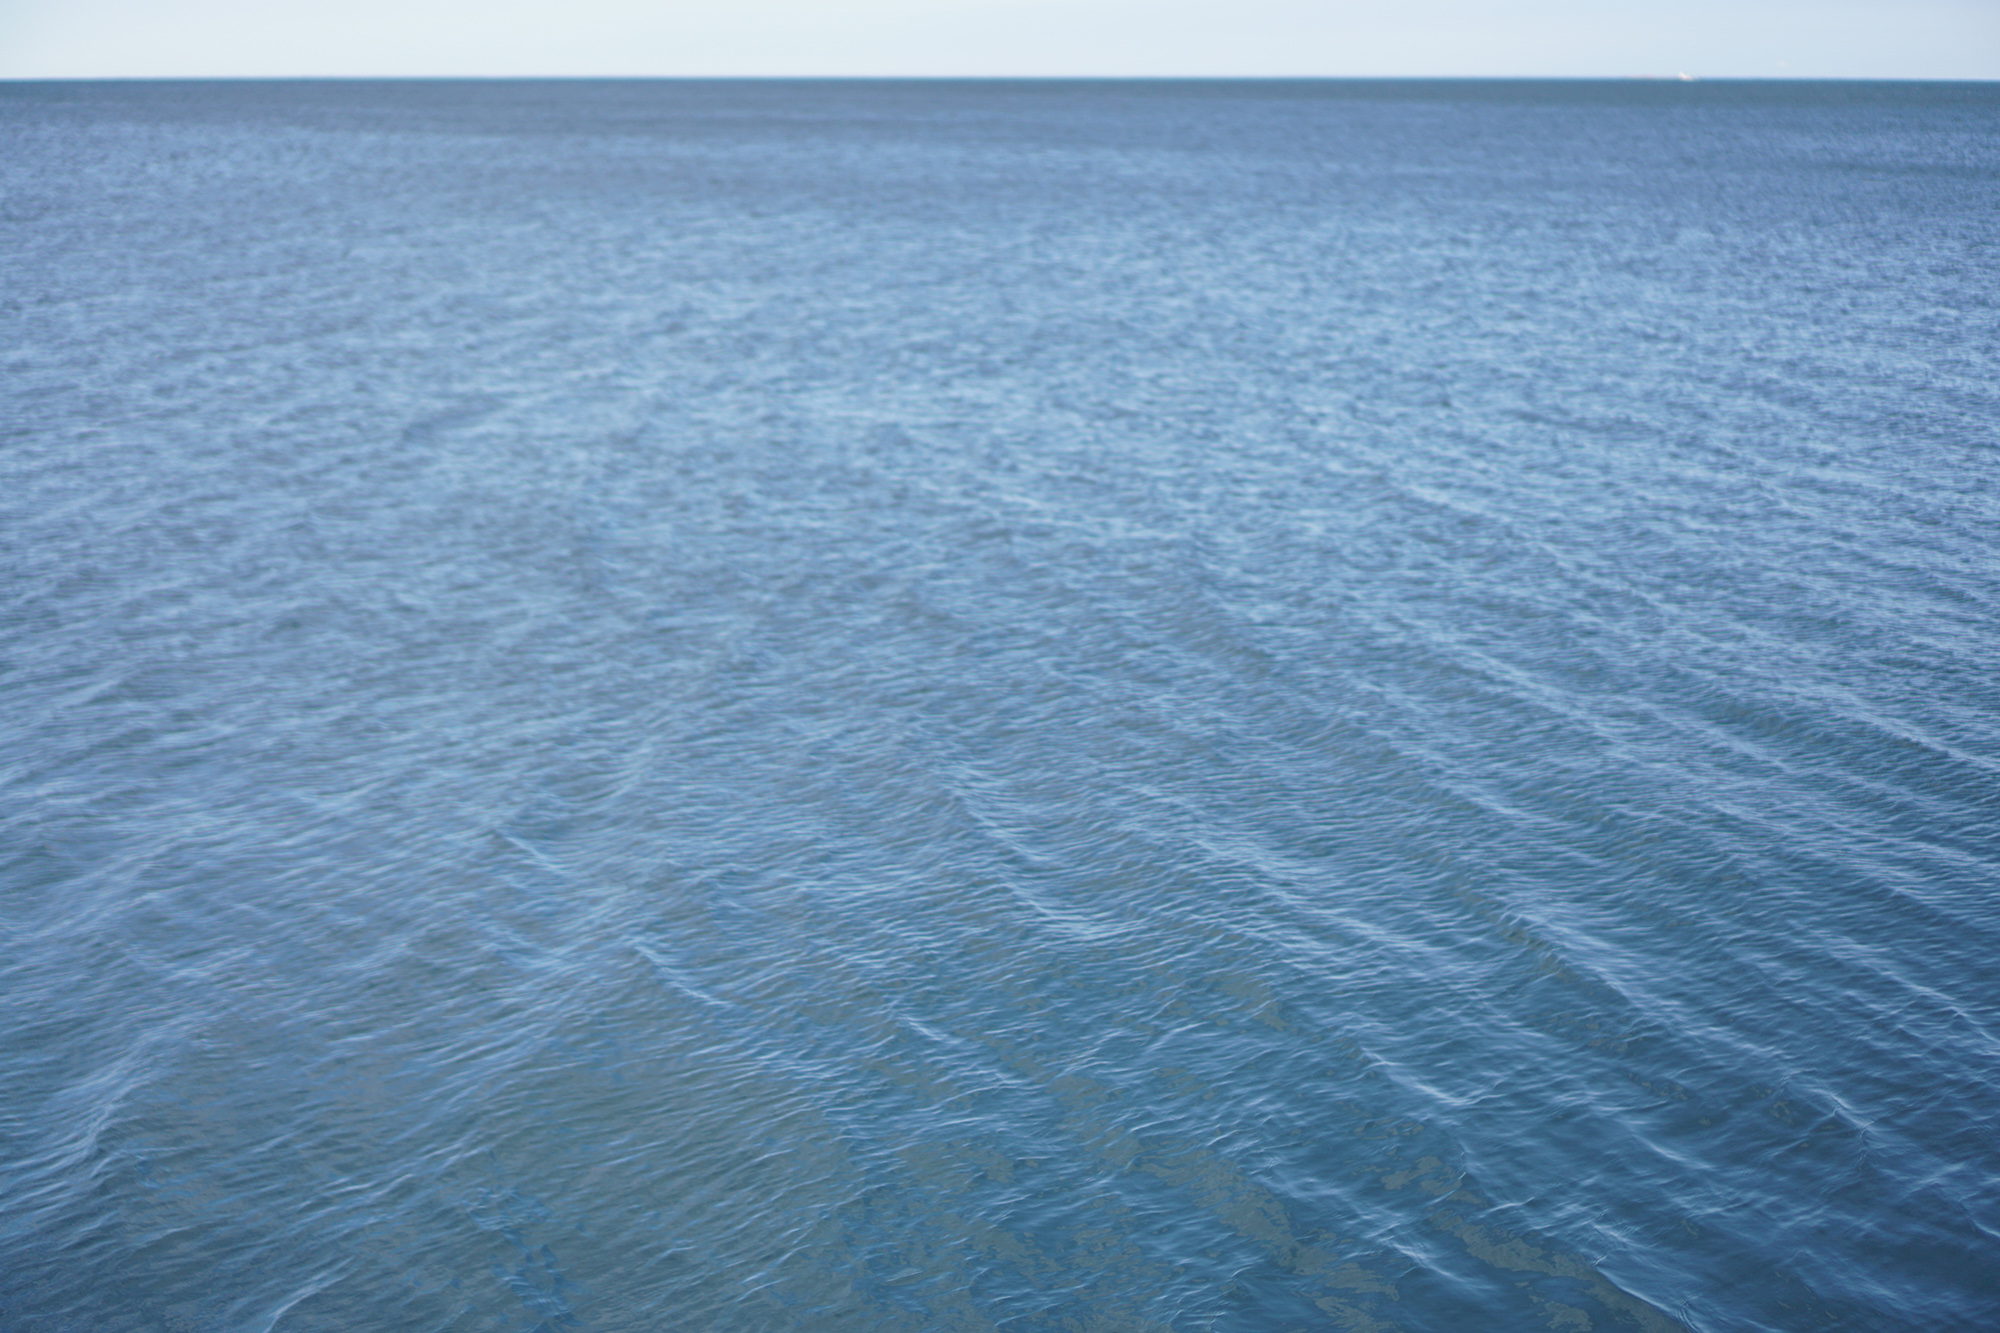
point(905, 706)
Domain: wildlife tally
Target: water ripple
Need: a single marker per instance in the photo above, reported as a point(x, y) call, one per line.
point(940, 706)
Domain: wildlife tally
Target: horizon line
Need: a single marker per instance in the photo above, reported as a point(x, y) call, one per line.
point(1676, 78)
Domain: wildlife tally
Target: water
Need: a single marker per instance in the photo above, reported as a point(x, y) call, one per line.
point(980, 706)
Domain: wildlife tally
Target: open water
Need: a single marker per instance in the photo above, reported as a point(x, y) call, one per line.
point(907, 706)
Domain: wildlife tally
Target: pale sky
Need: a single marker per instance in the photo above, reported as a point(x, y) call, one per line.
point(1707, 38)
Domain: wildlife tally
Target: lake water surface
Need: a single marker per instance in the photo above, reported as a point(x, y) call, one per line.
point(929, 706)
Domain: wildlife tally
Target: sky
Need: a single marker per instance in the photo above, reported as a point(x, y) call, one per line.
point(1558, 38)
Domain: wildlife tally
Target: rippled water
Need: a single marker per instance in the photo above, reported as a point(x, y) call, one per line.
point(1074, 707)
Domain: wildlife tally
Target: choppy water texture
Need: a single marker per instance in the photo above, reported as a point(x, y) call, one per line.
point(1075, 707)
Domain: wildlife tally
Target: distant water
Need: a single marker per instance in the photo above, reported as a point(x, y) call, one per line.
point(903, 706)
